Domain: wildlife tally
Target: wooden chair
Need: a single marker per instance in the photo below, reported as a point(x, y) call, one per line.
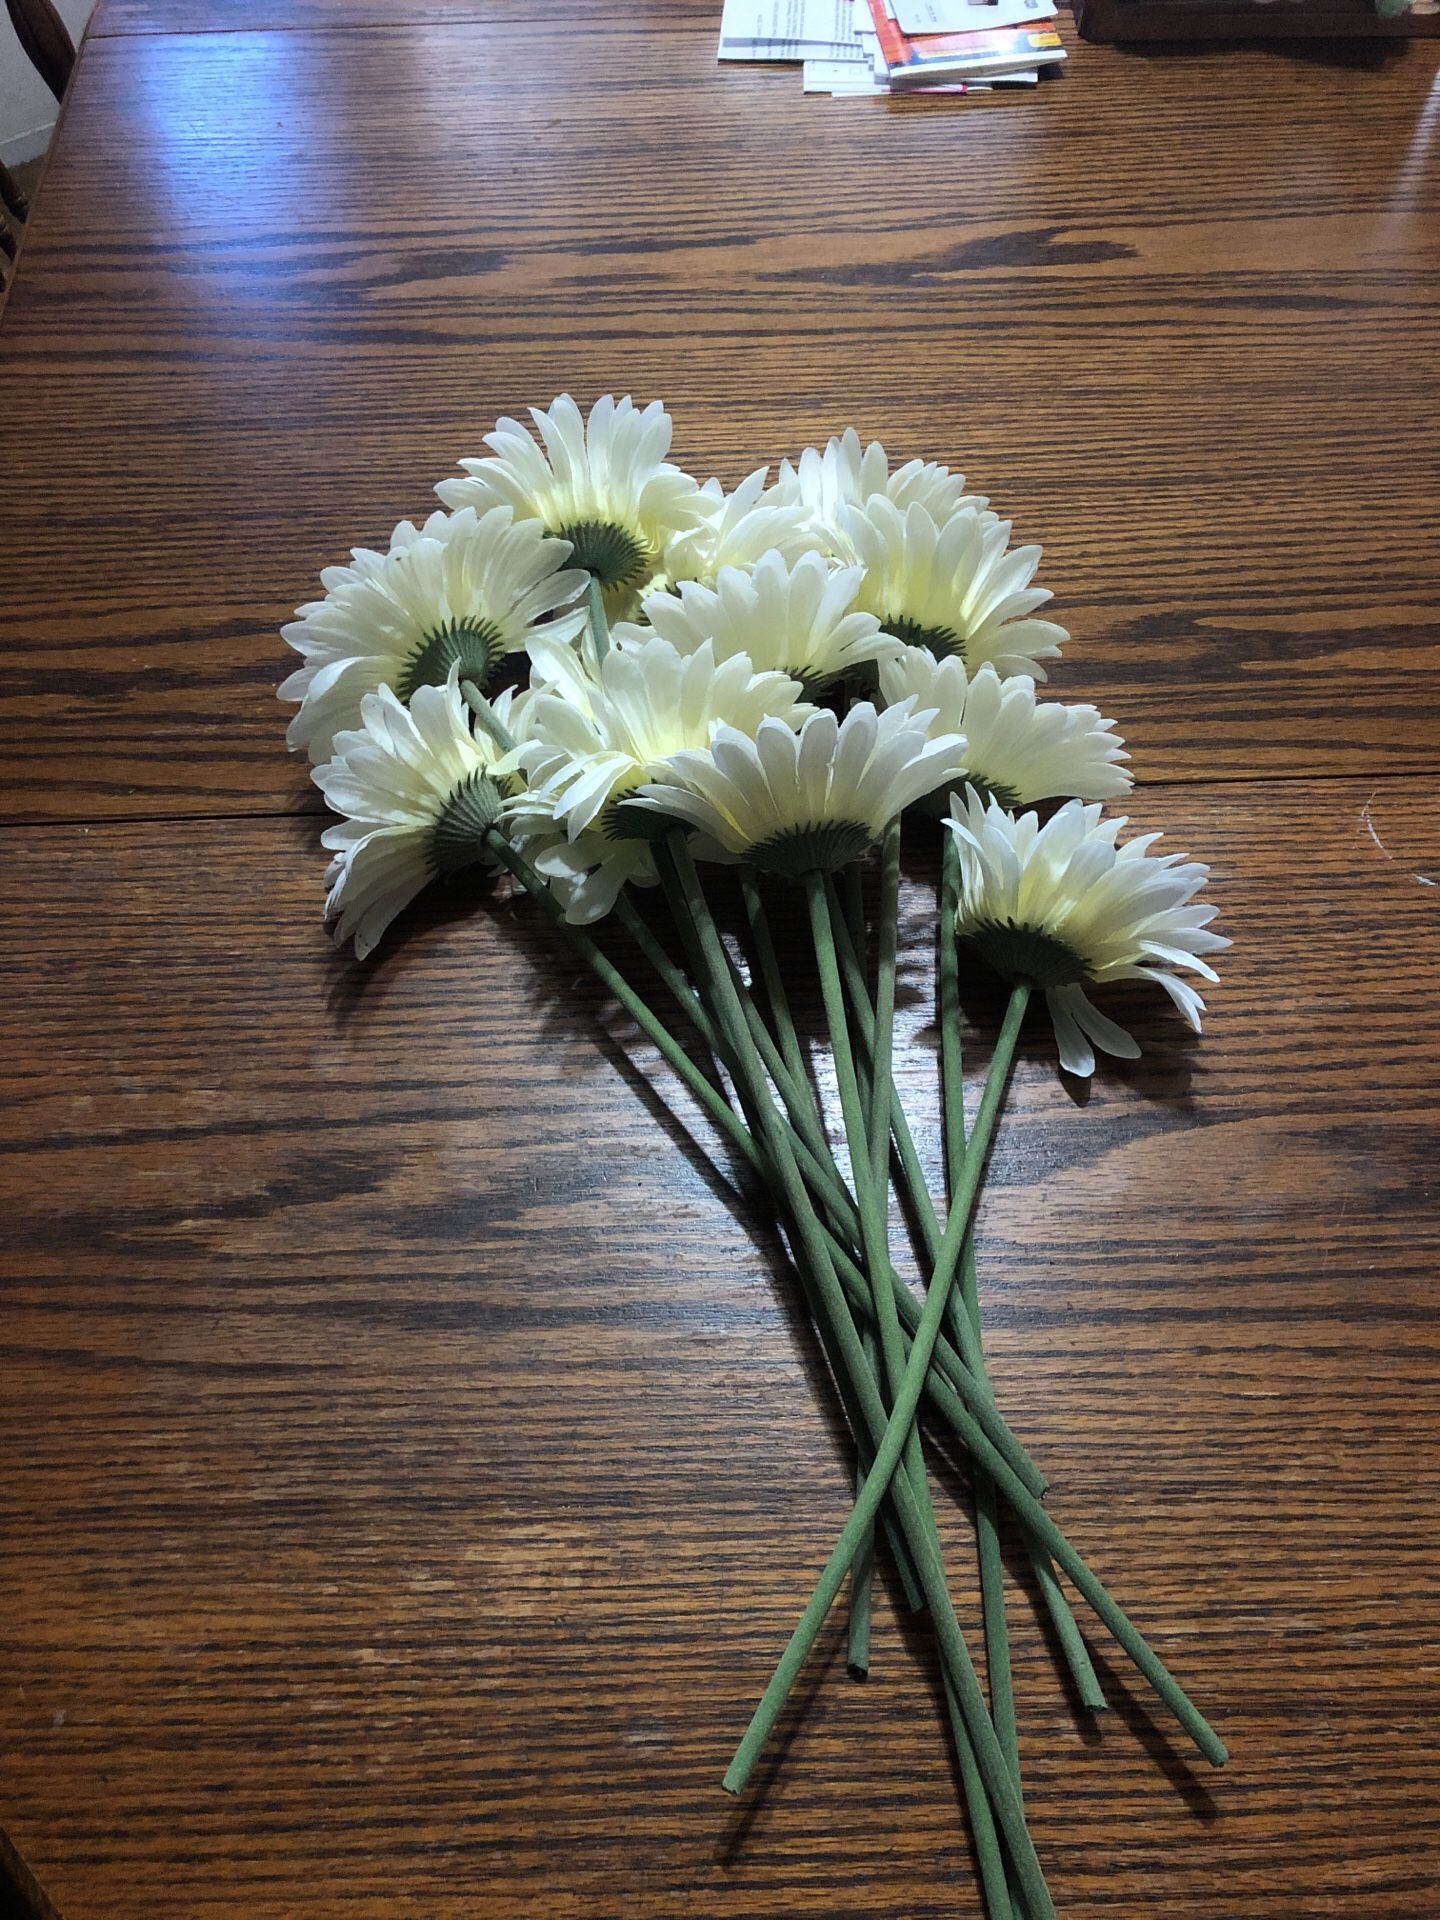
point(21, 1895)
point(46, 43)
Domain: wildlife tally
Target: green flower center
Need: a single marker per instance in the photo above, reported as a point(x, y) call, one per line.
point(476, 644)
point(615, 555)
point(941, 641)
point(1026, 953)
point(458, 837)
point(820, 849)
point(988, 790)
point(623, 820)
point(814, 686)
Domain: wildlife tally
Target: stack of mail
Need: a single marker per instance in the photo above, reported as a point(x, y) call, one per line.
point(851, 47)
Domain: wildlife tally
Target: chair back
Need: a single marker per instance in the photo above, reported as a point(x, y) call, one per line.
point(45, 41)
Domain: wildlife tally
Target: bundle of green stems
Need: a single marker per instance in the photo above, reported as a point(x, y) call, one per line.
point(892, 1352)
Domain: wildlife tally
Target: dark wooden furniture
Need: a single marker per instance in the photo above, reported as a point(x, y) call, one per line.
point(46, 43)
point(1270, 20)
point(44, 40)
point(412, 1462)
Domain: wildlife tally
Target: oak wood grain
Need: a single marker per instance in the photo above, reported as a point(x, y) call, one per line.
point(120, 17)
point(417, 1460)
point(1179, 319)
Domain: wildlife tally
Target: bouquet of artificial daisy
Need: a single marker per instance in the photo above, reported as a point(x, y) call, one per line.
point(656, 703)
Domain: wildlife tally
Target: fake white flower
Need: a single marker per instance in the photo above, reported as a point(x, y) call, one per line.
point(463, 589)
point(952, 586)
point(1017, 749)
point(739, 529)
point(798, 803)
point(1065, 908)
point(798, 619)
point(592, 737)
point(417, 792)
point(848, 473)
point(603, 484)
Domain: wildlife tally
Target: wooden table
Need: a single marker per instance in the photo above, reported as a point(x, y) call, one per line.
point(411, 1464)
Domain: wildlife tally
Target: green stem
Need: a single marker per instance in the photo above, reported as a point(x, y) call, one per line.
point(872, 1204)
point(599, 625)
point(883, 1096)
point(487, 716)
point(855, 908)
point(987, 1517)
point(804, 1115)
point(993, 1881)
point(951, 1388)
point(887, 1436)
point(861, 1574)
point(801, 1105)
point(813, 1145)
point(773, 981)
point(975, 1426)
point(823, 1177)
point(992, 1570)
point(897, 1429)
point(964, 1332)
point(982, 1821)
point(862, 1571)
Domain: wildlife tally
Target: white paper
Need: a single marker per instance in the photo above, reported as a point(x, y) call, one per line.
point(787, 30)
point(837, 76)
point(962, 16)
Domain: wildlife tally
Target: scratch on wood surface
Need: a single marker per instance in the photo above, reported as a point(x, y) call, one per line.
point(1424, 879)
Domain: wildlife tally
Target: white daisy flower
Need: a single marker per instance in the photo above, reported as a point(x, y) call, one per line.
point(797, 619)
point(847, 473)
point(951, 586)
point(739, 529)
point(1017, 749)
point(418, 793)
point(593, 736)
point(603, 485)
point(798, 803)
point(1065, 908)
point(464, 589)
point(588, 871)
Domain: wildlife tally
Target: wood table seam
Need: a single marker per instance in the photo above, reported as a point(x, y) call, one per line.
point(242, 817)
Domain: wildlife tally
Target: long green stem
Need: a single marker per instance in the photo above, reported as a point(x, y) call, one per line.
point(897, 1428)
point(994, 1883)
point(773, 980)
point(954, 1653)
point(953, 1389)
point(824, 1179)
point(872, 1203)
point(987, 1517)
point(963, 1330)
point(800, 1107)
point(950, 1387)
point(972, 1422)
point(1071, 1642)
point(782, 1021)
point(862, 1570)
point(806, 1116)
point(883, 1097)
point(861, 1574)
point(987, 1845)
